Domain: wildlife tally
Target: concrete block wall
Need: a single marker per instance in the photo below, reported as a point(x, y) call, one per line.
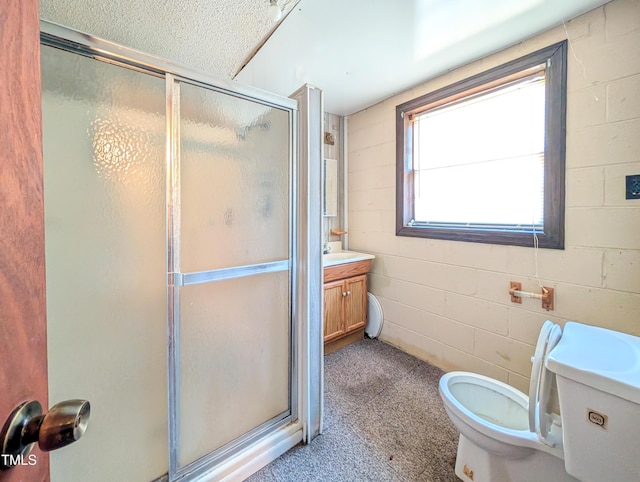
point(447, 302)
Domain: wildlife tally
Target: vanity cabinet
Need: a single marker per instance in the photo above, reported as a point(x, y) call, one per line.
point(345, 304)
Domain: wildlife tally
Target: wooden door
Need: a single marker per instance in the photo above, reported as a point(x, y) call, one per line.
point(355, 303)
point(333, 310)
point(23, 339)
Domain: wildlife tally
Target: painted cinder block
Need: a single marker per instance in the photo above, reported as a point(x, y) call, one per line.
point(383, 286)
point(603, 145)
point(586, 107)
point(623, 99)
point(477, 312)
point(525, 325)
point(367, 220)
point(366, 179)
point(447, 277)
point(422, 297)
point(377, 133)
point(422, 249)
point(505, 352)
point(491, 257)
point(363, 158)
point(572, 265)
point(621, 19)
point(493, 286)
point(585, 187)
point(615, 310)
point(439, 354)
point(358, 203)
point(376, 243)
point(593, 61)
point(614, 227)
point(449, 332)
point(519, 382)
point(430, 325)
point(622, 270)
point(381, 198)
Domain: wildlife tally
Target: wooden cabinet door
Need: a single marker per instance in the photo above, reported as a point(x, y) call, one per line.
point(333, 310)
point(355, 303)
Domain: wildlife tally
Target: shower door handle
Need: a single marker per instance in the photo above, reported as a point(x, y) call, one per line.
point(63, 424)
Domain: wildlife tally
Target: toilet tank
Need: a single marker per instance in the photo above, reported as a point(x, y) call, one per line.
point(598, 377)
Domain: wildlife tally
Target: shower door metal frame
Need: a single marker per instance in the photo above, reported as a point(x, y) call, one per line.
point(178, 279)
point(58, 36)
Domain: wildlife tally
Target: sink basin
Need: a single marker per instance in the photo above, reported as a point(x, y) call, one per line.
point(341, 257)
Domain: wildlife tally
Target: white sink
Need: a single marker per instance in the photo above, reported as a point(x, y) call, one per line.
point(341, 257)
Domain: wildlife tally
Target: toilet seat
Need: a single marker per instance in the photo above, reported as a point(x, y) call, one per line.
point(540, 384)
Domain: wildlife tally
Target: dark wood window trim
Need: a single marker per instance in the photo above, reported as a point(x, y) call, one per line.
point(555, 58)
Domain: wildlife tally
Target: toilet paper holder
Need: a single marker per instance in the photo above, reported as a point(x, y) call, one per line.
point(547, 295)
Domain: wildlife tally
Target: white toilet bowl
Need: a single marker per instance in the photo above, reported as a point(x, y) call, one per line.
point(505, 435)
point(490, 413)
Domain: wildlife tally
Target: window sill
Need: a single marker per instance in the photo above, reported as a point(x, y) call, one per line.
point(504, 237)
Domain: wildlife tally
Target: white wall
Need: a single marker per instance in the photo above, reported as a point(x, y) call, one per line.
point(447, 302)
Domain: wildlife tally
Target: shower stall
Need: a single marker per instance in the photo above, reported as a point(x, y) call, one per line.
point(173, 260)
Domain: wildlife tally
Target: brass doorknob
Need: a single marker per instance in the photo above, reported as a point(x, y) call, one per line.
point(65, 423)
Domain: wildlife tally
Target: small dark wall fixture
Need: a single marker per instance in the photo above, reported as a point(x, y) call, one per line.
point(633, 186)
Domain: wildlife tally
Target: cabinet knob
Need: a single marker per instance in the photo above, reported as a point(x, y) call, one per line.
point(348, 292)
point(344, 294)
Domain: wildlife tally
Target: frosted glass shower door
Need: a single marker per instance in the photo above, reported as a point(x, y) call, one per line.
point(233, 259)
point(104, 137)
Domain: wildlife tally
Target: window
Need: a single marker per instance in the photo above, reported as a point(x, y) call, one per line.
point(483, 159)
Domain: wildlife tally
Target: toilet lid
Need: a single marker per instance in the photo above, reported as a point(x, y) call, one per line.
point(375, 318)
point(540, 384)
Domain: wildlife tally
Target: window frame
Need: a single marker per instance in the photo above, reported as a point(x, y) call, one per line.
point(555, 59)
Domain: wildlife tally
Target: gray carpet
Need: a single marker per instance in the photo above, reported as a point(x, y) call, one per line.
point(384, 421)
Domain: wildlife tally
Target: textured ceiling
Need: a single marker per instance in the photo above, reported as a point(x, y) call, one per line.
point(213, 36)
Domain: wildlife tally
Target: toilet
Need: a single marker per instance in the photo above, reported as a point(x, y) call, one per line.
point(506, 435)
point(598, 377)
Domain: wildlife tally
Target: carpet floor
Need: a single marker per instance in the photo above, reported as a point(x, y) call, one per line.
point(383, 421)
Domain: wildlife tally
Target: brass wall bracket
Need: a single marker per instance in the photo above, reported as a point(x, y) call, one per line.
point(513, 287)
point(547, 298)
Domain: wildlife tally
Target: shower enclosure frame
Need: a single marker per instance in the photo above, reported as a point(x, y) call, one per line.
point(250, 451)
